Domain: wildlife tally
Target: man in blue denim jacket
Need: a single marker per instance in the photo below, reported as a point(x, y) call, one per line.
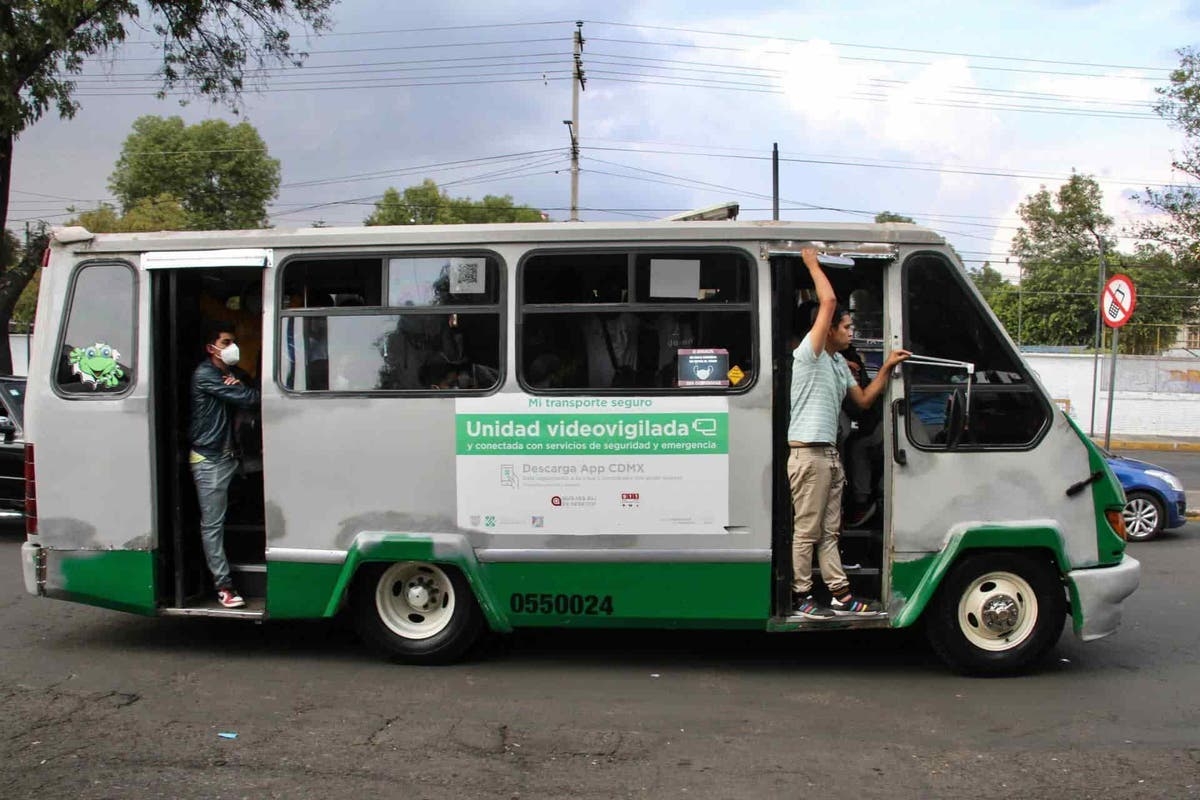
point(216, 392)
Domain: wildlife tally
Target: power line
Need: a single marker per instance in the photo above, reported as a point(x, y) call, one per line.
point(361, 67)
point(430, 167)
point(426, 46)
point(761, 37)
point(691, 46)
point(745, 71)
point(877, 97)
point(985, 172)
point(339, 88)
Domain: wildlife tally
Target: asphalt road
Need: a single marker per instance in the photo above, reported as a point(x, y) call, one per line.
point(99, 704)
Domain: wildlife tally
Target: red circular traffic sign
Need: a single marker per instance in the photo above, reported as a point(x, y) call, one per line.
point(1118, 301)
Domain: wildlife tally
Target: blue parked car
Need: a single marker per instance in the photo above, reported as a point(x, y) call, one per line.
point(1154, 498)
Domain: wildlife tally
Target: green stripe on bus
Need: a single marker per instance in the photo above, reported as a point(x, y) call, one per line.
point(300, 590)
point(632, 594)
point(1106, 494)
point(117, 579)
point(593, 434)
point(915, 582)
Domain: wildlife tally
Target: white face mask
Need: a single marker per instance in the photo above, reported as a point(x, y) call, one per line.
point(230, 355)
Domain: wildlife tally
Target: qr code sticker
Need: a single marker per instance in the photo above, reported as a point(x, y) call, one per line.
point(467, 276)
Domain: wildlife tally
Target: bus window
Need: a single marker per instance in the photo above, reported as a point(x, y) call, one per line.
point(944, 320)
point(437, 327)
point(96, 356)
point(326, 283)
point(686, 325)
point(442, 281)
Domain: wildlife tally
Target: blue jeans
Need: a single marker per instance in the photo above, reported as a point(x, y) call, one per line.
point(212, 478)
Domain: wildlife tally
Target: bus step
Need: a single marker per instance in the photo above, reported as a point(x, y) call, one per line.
point(255, 609)
point(250, 579)
point(798, 623)
point(853, 570)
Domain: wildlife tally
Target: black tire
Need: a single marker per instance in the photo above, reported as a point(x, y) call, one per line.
point(415, 612)
point(1024, 598)
point(1144, 516)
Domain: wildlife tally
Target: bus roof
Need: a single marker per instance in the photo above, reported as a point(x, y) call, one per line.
point(82, 240)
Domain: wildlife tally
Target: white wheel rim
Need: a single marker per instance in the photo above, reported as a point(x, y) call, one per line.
point(1141, 517)
point(414, 599)
point(998, 611)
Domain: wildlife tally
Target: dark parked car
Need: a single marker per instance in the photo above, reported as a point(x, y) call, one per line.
point(1154, 498)
point(12, 448)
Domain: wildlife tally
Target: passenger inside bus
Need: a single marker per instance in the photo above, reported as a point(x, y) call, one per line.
point(860, 433)
point(218, 390)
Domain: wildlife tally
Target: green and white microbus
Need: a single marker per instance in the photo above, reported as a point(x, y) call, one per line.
point(478, 428)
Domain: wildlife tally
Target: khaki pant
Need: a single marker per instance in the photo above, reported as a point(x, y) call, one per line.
point(816, 477)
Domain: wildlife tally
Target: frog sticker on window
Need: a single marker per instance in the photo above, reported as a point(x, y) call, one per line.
point(97, 365)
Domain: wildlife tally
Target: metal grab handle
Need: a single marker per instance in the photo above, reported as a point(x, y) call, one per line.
point(898, 454)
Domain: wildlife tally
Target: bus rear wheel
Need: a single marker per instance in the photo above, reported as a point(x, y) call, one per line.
point(997, 613)
point(415, 612)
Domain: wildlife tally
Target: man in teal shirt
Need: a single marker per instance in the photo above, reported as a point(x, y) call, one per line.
point(820, 381)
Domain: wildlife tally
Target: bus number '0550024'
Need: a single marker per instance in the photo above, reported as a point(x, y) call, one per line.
point(546, 603)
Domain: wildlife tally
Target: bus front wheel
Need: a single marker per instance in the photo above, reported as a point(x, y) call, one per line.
point(997, 613)
point(415, 612)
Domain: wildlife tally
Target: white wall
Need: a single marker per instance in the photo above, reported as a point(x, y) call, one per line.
point(1155, 396)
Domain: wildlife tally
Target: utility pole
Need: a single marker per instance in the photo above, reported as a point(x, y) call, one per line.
point(1099, 328)
point(775, 181)
point(578, 84)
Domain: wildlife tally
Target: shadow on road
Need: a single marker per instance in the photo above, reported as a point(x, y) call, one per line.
point(335, 641)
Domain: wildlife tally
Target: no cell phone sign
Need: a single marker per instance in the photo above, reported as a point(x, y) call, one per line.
point(1118, 301)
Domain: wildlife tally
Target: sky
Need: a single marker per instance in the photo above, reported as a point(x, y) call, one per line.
point(949, 112)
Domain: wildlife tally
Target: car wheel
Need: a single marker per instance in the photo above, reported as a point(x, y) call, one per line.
point(415, 612)
point(997, 613)
point(1144, 516)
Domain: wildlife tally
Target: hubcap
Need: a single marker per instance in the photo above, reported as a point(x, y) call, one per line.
point(414, 599)
point(1001, 614)
point(998, 611)
point(1141, 517)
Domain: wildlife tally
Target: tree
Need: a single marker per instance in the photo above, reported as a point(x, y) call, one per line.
point(209, 47)
point(888, 216)
point(996, 291)
point(1059, 247)
point(161, 213)
point(426, 204)
point(220, 173)
point(20, 263)
point(1180, 205)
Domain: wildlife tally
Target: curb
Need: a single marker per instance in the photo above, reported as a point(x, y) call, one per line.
point(1137, 444)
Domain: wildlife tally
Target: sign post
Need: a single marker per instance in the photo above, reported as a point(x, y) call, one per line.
point(1117, 302)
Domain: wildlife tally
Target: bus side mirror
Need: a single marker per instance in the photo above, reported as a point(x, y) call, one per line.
point(958, 411)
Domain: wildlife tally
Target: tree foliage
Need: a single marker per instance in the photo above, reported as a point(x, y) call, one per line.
point(888, 216)
point(220, 174)
point(426, 204)
point(20, 278)
point(1179, 103)
point(209, 47)
point(161, 213)
point(1059, 246)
